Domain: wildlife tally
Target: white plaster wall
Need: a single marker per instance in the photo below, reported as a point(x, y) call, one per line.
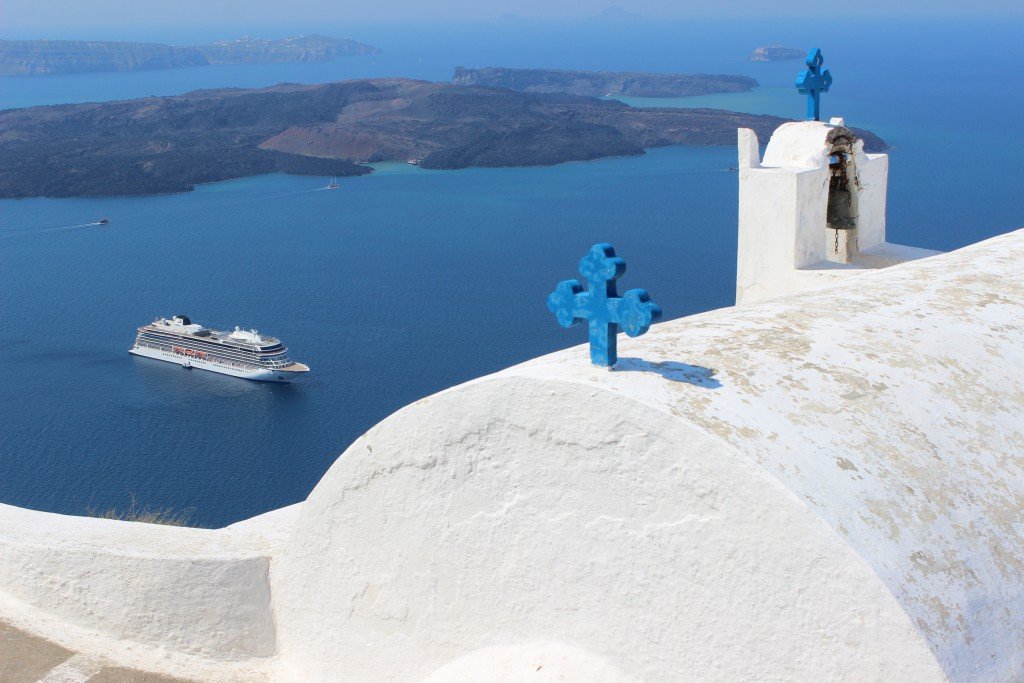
point(143, 594)
point(749, 148)
point(763, 244)
point(811, 210)
point(515, 510)
point(781, 219)
point(872, 175)
point(782, 205)
point(539, 662)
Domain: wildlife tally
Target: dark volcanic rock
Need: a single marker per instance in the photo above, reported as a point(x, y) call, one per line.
point(536, 145)
point(602, 83)
point(157, 144)
point(168, 144)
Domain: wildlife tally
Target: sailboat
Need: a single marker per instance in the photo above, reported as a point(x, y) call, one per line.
point(333, 185)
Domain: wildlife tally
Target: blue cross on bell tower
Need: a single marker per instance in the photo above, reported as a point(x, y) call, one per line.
point(601, 307)
point(812, 82)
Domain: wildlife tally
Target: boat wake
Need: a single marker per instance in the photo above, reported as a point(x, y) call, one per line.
point(43, 231)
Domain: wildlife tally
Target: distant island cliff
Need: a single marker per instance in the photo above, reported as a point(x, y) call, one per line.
point(72, 56)
point(311, 48)
point(168, 144)
point(603, 83)
point(776, 53)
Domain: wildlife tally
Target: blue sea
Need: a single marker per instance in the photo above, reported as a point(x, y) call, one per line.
point(405, 282)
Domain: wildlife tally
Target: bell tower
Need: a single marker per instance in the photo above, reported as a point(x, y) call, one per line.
point(812, 211)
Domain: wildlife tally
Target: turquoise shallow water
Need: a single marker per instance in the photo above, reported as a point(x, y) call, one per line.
point(407, 281)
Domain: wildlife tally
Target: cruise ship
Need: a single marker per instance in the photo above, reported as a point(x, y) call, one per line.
point(241, 353)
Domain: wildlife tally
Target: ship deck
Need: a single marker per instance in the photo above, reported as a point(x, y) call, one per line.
point(214, 335)
point(294, 367)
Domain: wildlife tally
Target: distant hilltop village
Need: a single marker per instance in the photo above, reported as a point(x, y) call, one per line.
point(77, 56)
point(604, 83)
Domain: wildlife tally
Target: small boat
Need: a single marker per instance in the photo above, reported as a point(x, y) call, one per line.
point(104, 221)
point(732, 169)
point(413, 162)
point(333, 185)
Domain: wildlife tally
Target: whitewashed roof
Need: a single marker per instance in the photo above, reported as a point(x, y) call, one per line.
point(803, 145)
point(893, 406)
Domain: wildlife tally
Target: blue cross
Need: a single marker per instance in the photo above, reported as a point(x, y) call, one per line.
point(812, 82)
point(634, 312)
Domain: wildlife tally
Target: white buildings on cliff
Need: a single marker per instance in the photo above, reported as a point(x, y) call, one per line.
point(823, 483)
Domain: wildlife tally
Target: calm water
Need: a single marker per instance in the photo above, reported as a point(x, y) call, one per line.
point(408, 281)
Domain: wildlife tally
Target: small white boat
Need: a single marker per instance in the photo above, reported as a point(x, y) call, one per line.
point(333, 185)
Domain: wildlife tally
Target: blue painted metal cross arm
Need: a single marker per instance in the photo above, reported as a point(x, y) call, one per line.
point(812, 82)
point(601, 306)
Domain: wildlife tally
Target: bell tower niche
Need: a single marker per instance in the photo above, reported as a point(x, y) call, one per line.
point(840, 211)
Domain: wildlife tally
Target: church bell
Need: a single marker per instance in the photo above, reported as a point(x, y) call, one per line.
point(840, 210)
point(839, 213)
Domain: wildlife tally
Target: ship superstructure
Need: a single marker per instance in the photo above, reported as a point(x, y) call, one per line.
point(240, 353)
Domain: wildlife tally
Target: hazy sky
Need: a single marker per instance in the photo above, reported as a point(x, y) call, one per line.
point(19, 15)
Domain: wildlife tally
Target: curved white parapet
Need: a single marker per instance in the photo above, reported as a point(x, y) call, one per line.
point(175, 599)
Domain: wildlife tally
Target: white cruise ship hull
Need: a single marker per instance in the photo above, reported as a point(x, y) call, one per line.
point(254, 373)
